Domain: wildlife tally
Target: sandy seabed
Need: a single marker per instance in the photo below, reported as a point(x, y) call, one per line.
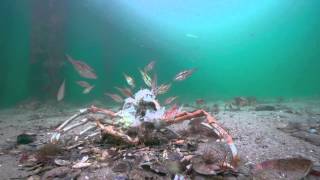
point(256, 133)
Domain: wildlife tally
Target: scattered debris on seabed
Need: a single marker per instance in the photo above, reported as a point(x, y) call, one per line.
point(186, 152)
point(144, 140)
point(189, 151)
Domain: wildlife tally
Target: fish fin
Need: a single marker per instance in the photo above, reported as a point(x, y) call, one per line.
point(69, 58)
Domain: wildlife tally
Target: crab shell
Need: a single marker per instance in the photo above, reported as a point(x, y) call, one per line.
point(145, 99)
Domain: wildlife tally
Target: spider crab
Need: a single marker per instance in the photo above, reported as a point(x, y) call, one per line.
point(141, 107)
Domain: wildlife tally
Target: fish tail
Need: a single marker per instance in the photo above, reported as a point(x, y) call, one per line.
point(69, 58)
point(194, 69)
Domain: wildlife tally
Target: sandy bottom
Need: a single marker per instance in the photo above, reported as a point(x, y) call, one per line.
point(256, 133)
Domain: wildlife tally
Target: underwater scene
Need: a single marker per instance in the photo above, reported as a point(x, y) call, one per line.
point(159, 89)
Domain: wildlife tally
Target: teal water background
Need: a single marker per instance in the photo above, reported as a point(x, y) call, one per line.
point(266, 48)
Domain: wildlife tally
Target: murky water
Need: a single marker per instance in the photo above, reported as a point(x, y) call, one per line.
point(266, 49)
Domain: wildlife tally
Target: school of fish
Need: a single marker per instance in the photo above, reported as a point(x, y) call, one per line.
point(86, 71)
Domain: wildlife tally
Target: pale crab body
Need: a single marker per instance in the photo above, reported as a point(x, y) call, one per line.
point(143, 107)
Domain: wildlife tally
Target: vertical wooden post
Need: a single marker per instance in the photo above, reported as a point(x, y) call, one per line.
point(47, 46)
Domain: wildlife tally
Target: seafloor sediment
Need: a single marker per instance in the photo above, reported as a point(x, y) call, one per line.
point(258, 135)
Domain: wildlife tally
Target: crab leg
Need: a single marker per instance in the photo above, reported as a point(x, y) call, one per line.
point(82, 111)
point(211, 124)
point(223, 134)
point(189, 115)
point(94, 109)
point(62, 128)
point(92, 135)
point(83, 121)
point(87, 129)
point(116, 133)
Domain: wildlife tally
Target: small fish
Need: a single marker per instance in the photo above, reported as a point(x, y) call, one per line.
point(115, 97)
point(87, 87)
point(163, 88)
point(82, 68)
point(154, 84)
point(146, 78)
point(129, 80)
point(61, 91)
point(87, 90)
point(169, 100)
point(83, 84)
point(125, 91)
point(150, 66)
point(200, 101)
point(192, 36)
point(183, 75)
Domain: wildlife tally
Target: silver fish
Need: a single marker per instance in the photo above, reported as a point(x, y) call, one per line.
point(146, 78)
point(163, 88)
point(82, 68)
point(83, 84)
point(87, 87)
point(115, 97)
point(150, 66)
point(183, 75)
point(61, 91)
point(129, 80)
point(169, 100)
point(87, 90)
point(154, 84)
point(125, 91)
point(192, 36)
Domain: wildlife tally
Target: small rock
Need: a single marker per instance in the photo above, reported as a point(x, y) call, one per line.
point(56, 172)
point(25, 139)
point(81, 165)
point(312, 131)
point(121, 167)
point(200, 167)
point(35, 177)
point(155, 168)
point(23, 147)
point(312, 138)
point(61, 162)
point(265, 108)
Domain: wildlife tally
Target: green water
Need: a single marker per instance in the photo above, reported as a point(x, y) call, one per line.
point(266, 49)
